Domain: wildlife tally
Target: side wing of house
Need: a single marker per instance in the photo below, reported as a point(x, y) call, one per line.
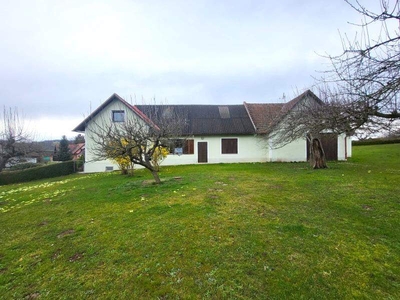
point(336, 146)
point(265, 116)
point(269, 119)
point(295, 150)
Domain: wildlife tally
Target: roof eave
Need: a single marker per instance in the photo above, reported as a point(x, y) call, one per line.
point(81, 127)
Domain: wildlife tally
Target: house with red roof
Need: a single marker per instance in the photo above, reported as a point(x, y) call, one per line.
point(214, 133)
point(77, 150)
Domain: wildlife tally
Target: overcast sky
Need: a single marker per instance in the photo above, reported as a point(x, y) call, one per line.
point(59, 59)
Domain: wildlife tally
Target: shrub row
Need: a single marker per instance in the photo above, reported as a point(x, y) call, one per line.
point(24, 166)
point(377, 141)
point(49, 171)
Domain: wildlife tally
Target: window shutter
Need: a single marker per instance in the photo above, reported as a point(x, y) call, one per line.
point(229, 146)
point(189, 147)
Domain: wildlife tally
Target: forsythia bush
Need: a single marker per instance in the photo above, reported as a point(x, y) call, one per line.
point(124, 164)
point(124, 161)
point(159, 155)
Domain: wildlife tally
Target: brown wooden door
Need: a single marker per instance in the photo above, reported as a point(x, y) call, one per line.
point(329, 142)
point(202, 155)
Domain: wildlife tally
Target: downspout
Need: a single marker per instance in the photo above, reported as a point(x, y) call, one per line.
point(269, 150)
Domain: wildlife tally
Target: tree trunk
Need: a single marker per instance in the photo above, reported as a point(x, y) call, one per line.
point(2, 164)
point(130, 171)
point(148, 165)
point(156, 177)
point(318, 160)
point(3, 161)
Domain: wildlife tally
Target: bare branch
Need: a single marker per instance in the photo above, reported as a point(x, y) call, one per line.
point(366, 76)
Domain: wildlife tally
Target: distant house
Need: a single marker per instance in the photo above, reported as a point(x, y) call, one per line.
point(24, 152)
point(215, 133)
point(48, 149)
point(77, 150)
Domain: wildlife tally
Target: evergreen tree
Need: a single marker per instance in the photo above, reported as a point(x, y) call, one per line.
point(63, 153)
point(79, 139)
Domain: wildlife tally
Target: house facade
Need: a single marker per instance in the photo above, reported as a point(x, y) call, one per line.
point(214, 133)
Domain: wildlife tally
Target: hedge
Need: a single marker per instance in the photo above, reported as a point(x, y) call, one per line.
point(24, 166)
point(377, 141)
point(49, 171)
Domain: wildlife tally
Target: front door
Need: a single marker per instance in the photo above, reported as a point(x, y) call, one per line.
point(202, 152)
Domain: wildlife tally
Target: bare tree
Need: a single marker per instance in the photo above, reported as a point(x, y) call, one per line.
point(139, 138)
point(367, 73)
point(15, 141)
point(360, 92)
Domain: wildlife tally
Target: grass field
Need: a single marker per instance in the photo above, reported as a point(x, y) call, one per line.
point(227, 231)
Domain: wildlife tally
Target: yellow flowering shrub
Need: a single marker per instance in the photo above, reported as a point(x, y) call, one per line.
point(159, 155)
point(123, 161)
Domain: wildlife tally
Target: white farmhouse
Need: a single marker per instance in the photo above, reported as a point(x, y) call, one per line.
point(216, 133)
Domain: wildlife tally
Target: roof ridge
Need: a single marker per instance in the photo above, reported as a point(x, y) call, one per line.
point(250, 117)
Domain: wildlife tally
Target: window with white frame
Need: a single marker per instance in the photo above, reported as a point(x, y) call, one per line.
point(118, 116)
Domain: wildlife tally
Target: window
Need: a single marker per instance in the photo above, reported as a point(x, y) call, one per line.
point(118, 116)
point(229, 146)
point(181, 146)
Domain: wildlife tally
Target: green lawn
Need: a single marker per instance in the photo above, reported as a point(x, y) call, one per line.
point(227, 231)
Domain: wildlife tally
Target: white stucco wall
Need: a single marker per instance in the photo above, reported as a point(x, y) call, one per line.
point(250, 149)
point(349, 147)
point(344, 150)
point(295, 151)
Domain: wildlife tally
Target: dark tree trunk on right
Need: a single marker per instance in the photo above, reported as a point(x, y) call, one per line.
point(317, 157)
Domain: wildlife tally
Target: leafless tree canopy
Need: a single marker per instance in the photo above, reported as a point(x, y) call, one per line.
point(15, 141)
point(140, 137)
point(366, 76)
point(309, 118)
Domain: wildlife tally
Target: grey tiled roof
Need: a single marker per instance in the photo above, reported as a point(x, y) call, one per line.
point(211, 119)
